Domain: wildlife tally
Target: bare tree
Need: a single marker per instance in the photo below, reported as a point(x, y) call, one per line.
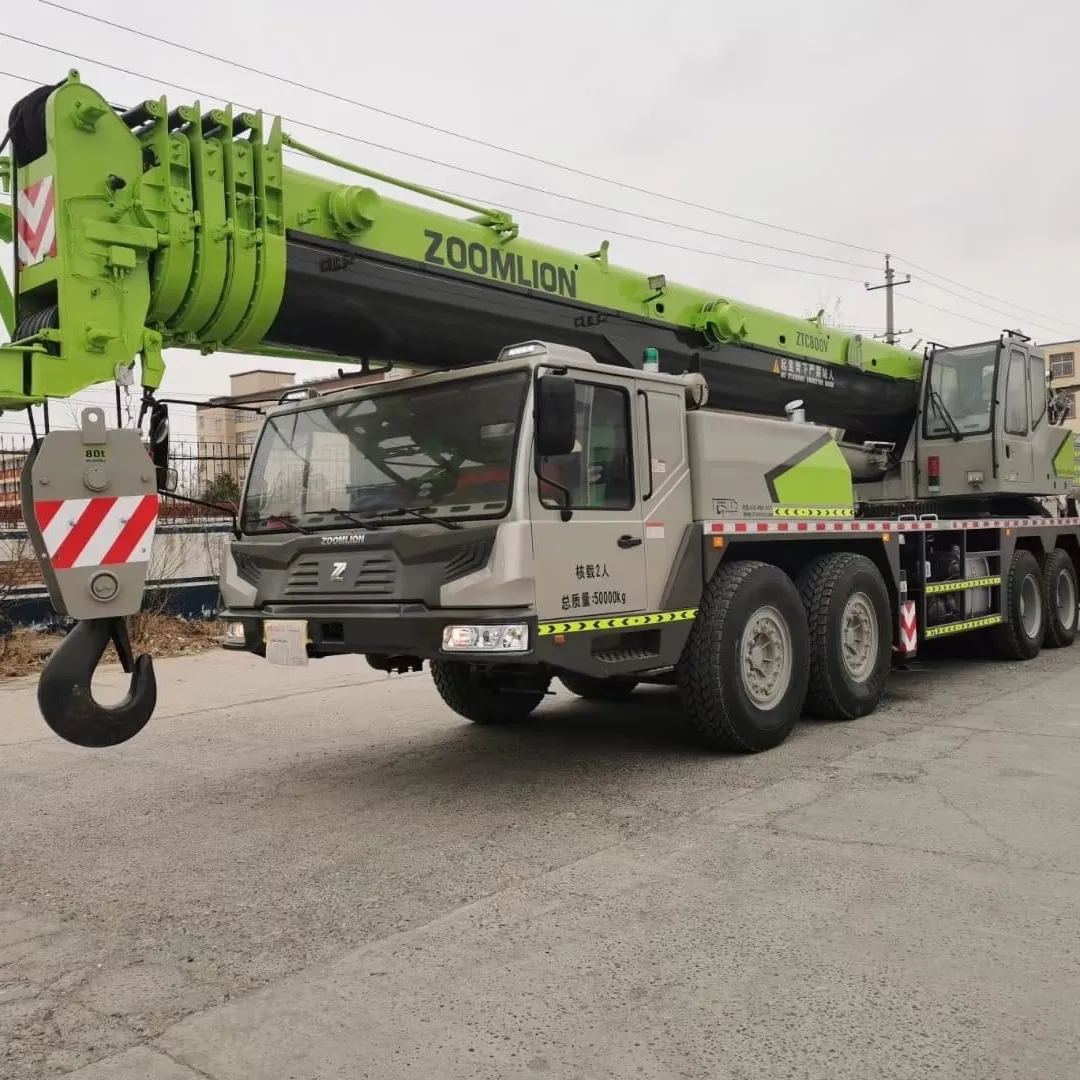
point(18, 568)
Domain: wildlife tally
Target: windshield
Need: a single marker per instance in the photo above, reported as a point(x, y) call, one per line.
point(961, 391)
point(444, 450)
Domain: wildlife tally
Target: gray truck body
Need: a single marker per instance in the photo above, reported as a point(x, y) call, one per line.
point(611, 593)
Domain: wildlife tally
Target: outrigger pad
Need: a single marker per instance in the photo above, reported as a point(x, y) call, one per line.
point(90, 503)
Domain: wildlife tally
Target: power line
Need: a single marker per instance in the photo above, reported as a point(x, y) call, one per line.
point(955, 314)
point(1016, 308)
point(456, 134)
point(548, 192)
point(649, 240)
point(535, 213)
point(470, 172)
point(539, 190)
point(552, 217)
point(333, 96)
point(20, 78)
point(989, 296)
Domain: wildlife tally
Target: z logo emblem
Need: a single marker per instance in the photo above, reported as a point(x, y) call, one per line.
point(338, 572)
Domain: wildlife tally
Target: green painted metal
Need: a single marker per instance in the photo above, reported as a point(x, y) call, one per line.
point(822, 479)
point(210, 251)
point(171, 233)
point(7, 299)
point(1065, 458)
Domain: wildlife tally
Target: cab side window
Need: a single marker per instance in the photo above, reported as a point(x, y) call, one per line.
point(1038, 389)
point(1016, 404)
point(599, 471)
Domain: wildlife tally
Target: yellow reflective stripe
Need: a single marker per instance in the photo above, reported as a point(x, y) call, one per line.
point(969, 583)
point(960, 627)
point(814, 511)
point(614, 622)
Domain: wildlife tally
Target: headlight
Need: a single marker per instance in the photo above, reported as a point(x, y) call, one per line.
point(512, 637)
point(234, 633)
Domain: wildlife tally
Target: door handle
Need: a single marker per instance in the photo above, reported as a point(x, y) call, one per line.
point(628, 541)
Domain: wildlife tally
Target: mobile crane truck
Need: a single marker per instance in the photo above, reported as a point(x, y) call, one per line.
point(603, 477)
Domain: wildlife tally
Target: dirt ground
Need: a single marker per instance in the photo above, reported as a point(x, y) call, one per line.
point(24, 652)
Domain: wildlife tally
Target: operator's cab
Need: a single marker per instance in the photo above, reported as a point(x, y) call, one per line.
point(989, 424)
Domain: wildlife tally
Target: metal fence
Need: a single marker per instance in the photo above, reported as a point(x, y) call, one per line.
point(209, 471)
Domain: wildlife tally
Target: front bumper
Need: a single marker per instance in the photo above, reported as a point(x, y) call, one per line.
point(386, 630)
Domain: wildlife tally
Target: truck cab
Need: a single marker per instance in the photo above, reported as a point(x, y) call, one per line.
point(485, 512)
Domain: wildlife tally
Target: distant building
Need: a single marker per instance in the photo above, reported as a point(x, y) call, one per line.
point(226, 427)
point(1061, 360)
point(11, 463)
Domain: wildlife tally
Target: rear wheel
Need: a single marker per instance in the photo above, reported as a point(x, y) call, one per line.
point(849, 620)
point(485, 696)
point(743, 673)
point(1061, 597)
point(592, 689)
point(1020, 635)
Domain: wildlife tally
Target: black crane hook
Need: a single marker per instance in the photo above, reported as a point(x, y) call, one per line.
point(64, 694)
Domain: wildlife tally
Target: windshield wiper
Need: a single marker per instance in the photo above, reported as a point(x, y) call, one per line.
point(946, 416)
point(364, 523)
point(419, 515)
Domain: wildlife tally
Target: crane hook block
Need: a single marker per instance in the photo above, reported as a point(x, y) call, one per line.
point(64, 693)
point(90, 503)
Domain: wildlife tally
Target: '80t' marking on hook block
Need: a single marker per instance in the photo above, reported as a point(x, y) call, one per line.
point(106, 531)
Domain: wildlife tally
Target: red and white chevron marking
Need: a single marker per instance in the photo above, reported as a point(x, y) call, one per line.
point(909, 628)
point(813, 525)
point(105, 531)
point(37, 222)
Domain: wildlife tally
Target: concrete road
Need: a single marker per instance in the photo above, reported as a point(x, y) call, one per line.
point(305, 874)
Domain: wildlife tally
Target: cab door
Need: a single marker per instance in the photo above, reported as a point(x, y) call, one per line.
point(1017, 462)
point(594, 564)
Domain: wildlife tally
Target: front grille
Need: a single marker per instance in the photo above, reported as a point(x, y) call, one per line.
point(303, 578)
point(470, 558)
point(377, 576)
point(373, 575)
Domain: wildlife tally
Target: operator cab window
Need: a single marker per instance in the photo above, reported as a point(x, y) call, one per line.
point(1016, 388)
point(1038, 390)
point(961, 392)
point(599, 471)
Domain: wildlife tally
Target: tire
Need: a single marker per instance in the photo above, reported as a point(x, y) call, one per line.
point(1061, 595)
point(724, 709)
point(476, 695)
point(592, 689)
point(1020, 635)
point(843, 592)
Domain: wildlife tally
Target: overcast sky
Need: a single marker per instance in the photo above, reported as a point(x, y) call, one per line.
point(942, 132)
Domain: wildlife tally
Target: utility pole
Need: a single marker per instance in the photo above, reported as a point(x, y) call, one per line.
point(888, 285)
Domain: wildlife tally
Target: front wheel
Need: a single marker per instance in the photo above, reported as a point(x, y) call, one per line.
point(742, 676)
point(484, 696)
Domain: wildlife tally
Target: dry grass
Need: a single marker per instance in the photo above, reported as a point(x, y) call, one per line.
point(25, 651)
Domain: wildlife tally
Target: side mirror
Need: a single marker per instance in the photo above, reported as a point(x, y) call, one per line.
point(171, 480)
point(159, 443)
point(556, 415)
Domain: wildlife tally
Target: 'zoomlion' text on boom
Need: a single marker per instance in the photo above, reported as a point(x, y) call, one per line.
point(499, 265)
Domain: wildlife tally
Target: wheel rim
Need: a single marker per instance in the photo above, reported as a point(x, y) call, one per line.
point(1030, 606)
point(858, 637)
point(765, 657)
point(1065, 599)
